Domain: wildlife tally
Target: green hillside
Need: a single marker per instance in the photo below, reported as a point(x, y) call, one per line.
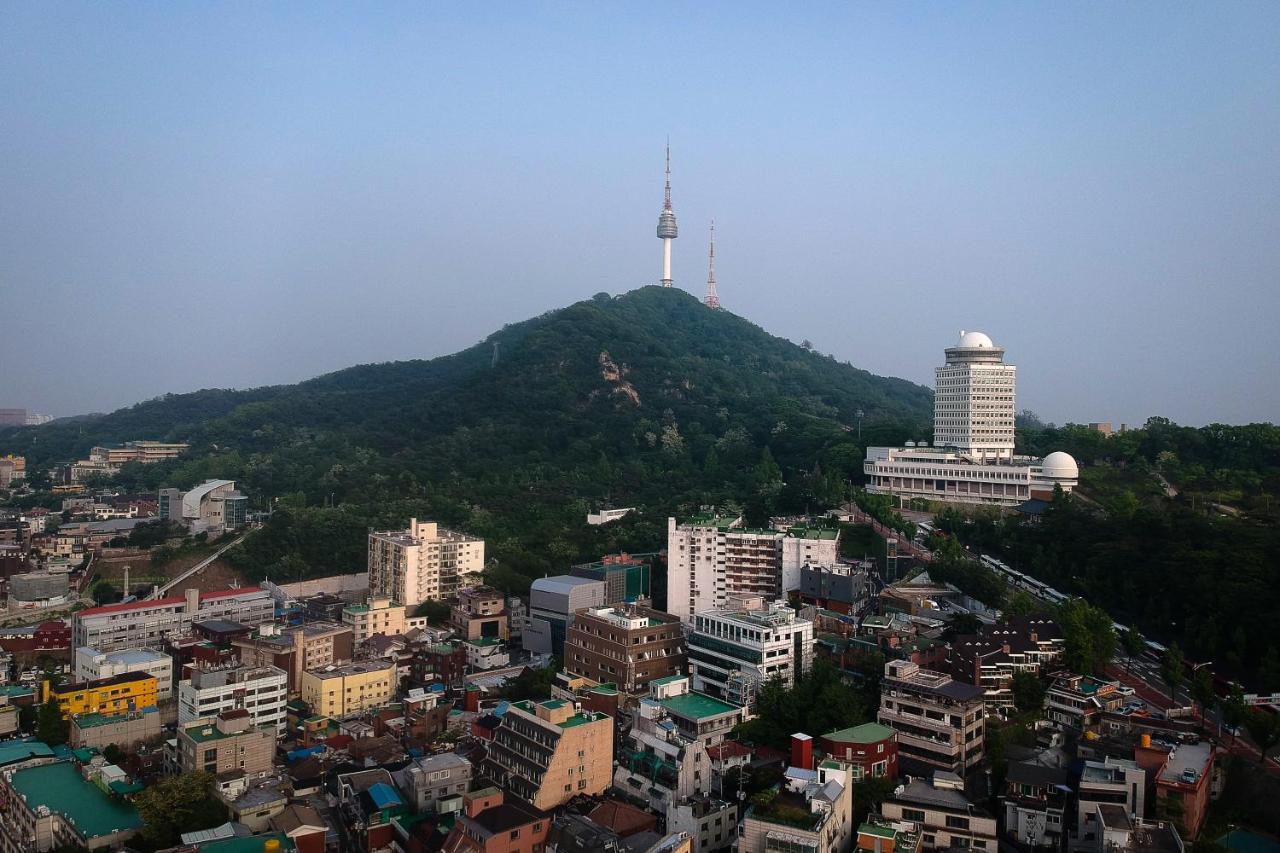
point(648, 399)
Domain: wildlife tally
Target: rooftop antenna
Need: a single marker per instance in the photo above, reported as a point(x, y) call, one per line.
point(712, 299)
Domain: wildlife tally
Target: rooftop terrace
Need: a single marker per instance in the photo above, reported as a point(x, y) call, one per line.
point(60, 787)
point(696, 706)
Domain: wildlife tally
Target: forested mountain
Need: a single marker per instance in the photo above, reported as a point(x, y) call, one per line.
point(647, 399)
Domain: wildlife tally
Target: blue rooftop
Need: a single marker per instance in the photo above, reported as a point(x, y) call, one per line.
point(384, 796)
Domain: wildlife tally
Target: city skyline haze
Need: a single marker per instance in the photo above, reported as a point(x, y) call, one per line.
point(197, 196)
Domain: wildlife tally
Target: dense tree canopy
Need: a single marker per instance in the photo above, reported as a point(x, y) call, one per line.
point(178, 804)
point(1176, 572)
point(820, 702)
point(649, 400)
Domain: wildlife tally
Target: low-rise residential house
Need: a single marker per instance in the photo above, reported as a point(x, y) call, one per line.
point(227, 742)
point(711, 823)
point(303, 826)
point(1078, 701)
point(696, 715)
point(378, 615)
point(252, 802)
point(1113, 785)
point(486, 653)
point(871, 750)
point(623, 818)
point(480, 612)
point(1183, 782)
point(878, 834)
point(124, 730)
point(947, 818)
point(939, 720)
point(658, 765)
point(1121, 832)
point(491, 822)
point(812, 812)
point(840, 588)
point(432, 662)
point(1035, 804)
point(436, 783)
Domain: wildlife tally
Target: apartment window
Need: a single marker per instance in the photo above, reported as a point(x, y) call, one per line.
point(913, 815)
point(515, 833)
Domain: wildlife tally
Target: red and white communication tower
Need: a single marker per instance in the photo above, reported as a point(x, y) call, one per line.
point(712, 299)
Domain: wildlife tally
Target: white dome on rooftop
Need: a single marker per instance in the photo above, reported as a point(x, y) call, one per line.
point(975, 340)
point(1060, 466)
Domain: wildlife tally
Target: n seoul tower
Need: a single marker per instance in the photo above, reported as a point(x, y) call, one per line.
point(667, 226)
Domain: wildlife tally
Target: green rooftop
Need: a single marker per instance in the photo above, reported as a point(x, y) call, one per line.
point(91, 721)
point(484, 642)
point(204, 733)
point(696, 706)
point(12, 752)
point(555, 704)
point(668, 679)
point(865, 733)
point(60, 787)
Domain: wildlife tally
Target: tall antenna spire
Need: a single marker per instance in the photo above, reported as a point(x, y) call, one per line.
point(667, 225)
point(712, 299)
point(666, 204)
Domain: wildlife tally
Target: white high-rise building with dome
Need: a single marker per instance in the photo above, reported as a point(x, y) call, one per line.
point(971, 459)
point(973, 401)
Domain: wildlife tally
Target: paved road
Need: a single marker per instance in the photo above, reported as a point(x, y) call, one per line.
point(1144, 677)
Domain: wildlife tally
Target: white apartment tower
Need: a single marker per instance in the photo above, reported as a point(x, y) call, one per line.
point(424, 563)
point(973, 405)
point(712, 557)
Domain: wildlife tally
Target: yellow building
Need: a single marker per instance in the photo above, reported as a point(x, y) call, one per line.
point(119, 694)
point(380, 615)
point(349, 689)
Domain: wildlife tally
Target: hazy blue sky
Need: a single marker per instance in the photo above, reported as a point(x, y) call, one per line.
point(227, 195)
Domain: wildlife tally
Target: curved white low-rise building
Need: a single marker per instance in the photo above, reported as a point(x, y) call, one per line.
point(972, 458)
